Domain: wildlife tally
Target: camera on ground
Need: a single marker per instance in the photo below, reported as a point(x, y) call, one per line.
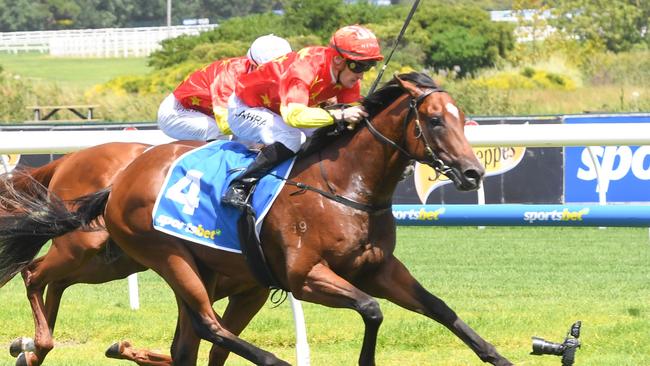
point(567, 349)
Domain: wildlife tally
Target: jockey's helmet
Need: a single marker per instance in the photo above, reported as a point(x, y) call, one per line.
point(356, 43)
point(267, 48)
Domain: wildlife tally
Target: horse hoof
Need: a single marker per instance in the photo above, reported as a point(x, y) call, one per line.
point(113, 351)
point(20, 345)
point(21, 360)
point(117, 349)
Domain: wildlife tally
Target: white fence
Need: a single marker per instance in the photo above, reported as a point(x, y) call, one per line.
point(538, 135)
point(104, 42)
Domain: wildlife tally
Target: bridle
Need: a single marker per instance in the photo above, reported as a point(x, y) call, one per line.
point(433, 159)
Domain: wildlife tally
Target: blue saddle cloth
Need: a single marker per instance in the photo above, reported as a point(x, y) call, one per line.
point(189, 203)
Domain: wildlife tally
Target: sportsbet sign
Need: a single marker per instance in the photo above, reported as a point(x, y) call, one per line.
point(624, 170)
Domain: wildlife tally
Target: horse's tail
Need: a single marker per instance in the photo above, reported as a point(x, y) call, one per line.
point(22, 178)
point(31, 215)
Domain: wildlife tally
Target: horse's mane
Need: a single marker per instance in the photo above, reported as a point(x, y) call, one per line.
point(384, 96)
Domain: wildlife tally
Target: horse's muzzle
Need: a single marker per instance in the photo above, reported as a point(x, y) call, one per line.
point(468, 179)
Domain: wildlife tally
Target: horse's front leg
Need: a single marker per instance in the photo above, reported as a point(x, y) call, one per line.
point(393, 282)
point(323, 286)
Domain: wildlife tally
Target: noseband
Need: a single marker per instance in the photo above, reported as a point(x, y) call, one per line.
point(433, 159)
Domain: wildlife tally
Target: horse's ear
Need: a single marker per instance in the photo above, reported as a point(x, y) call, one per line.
point(409, 87)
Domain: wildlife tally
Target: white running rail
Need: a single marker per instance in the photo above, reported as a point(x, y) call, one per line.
point(103, 42)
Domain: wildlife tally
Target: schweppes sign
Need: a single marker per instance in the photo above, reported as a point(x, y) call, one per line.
point(496, 160)
point(8, 162)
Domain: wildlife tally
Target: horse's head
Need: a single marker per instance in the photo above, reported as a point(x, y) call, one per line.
point(435, 134)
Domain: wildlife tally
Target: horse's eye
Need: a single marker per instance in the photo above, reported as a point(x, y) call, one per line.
point(435, 120)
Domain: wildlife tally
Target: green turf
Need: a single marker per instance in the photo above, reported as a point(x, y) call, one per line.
point(507, 283)
point(81, 72)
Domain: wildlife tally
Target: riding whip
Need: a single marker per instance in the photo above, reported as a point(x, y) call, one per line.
point(399, 38)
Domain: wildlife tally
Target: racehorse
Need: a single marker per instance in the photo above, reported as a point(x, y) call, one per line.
point(332, 249)
point(85, 257)
point(73, 257)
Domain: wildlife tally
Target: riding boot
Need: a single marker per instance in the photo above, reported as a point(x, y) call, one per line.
point(267, 159)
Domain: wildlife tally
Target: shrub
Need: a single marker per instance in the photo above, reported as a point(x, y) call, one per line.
point(528, 72)
point(210, 52)
point(629, 68)
point(13, 98)
point(527, 78)
point(299, 42)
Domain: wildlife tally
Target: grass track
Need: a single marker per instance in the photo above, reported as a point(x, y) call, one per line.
point(71, 71)
point(507, 283)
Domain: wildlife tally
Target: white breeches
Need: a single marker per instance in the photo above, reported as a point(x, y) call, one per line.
point(263, 126)
point(186, 124)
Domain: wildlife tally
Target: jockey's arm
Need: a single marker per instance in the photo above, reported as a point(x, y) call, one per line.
point(221, 116)
point(301, 116)
point(296, 113)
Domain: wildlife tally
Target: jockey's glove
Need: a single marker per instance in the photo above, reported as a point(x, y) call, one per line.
point(351, 115)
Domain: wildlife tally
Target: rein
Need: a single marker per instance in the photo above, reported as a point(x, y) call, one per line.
point(434, 161)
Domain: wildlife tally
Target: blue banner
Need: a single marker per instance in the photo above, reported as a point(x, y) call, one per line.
point(624, 170)
point(522, 215)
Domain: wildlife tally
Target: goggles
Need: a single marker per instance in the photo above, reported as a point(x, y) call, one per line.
point(360, 66)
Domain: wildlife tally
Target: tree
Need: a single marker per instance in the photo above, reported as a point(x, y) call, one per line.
point(320, 17)
point(23, 15)
point(615, 25)
point(460, 37)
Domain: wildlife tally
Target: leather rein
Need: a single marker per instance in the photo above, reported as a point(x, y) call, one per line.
point(433, 159)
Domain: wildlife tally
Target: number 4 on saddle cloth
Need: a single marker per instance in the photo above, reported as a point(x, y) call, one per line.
point(189, 203)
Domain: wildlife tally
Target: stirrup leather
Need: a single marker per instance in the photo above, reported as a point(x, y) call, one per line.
point(238, 196)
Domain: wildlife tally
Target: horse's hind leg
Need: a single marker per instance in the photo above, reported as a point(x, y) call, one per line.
point(124, 351)
point(393, 282)
point(71, 259)
point(240, 310)
point(242, 306)
point(172, 260)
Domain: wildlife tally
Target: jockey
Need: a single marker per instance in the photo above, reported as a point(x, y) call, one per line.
point(277, 104)
point(196, 110)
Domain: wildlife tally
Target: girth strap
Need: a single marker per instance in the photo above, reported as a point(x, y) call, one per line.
point(251, 248)
point(374, 210)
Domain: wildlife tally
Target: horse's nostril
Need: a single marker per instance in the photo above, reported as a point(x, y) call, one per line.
point(473, 175)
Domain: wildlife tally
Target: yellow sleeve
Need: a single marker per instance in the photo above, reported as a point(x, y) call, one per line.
point(300, 116)
point(221, 116)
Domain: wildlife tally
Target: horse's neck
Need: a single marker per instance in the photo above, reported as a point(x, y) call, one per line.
point(367, 169)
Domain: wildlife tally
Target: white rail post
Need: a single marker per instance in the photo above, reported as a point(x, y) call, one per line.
point(302, 347)
point(602, 191)
point(134, 296)
point(480, 193)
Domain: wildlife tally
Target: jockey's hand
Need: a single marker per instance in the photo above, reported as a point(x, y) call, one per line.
point(351, 115)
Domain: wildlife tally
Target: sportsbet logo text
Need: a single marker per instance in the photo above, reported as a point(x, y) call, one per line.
point(421, 214)
point(615, 163)
point(555, 215)
point(199, 231)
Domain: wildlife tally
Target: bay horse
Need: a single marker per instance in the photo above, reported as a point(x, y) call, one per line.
point(84, 257)
point(74, 257)
point(334, 252)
